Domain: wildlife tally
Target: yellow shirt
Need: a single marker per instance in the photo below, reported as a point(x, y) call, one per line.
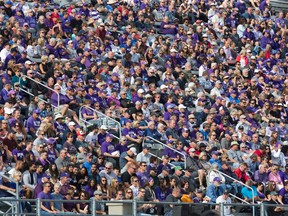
point(186, 198)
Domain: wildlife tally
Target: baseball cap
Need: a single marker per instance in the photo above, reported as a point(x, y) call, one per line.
point(97, 192)
point(36, 111)
point(177, 168)
point(71, 123)
point(217, 179)
point(133, 149)
point(192, 150)
point(64, 175)
point(80, 133)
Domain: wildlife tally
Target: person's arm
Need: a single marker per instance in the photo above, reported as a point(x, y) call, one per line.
point(280, 198)
point(48, 210)
point(84, 211)
point(2, 187)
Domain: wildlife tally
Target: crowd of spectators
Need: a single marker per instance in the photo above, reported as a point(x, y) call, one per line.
point(206, 78)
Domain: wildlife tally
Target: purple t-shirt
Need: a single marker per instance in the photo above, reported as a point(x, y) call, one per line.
point(169, 152)
point(87, 111)
point(33, 123)
point(19, 154)
point(130, 132)
point(43, 195)
point(142, 178)
point(51, 155)
point(60, 127)
point(101, 138)
point(284, 194)
point(107, 147)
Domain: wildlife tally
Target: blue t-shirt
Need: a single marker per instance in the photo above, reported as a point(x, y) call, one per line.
point(57, 205)
point(247, 193)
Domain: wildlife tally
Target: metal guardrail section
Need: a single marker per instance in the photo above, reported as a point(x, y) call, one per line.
point(279, 5)
point(102, 118)
point(13, 207)
point(132, 205)
point(239, 182)
point(45, 86)
point(164, 145)
point(159, 158)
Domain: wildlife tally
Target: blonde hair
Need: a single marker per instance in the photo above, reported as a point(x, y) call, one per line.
point(44, 58)
point(16, 174)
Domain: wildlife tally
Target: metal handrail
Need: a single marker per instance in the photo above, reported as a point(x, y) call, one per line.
point(45, 86)
point(136, 203)
point(161, 159)
point(100, 115)
point(239, 198)
point(16, 194)
point(239, 183)
point(175, 150)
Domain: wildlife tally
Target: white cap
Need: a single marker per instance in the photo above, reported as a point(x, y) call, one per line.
point(103, 127)
point(71, 123)
point(58, 116)
point(133, 150)
point(140, 91)
point(173, 50)
point(28, 62)
point(163, 86)
point(181, 106)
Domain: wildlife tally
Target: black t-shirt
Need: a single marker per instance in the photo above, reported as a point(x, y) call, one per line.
point(170, 198)
point(126, 177)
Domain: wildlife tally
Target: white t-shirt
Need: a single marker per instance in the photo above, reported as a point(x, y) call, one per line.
point(91, 137)
point(227, 209)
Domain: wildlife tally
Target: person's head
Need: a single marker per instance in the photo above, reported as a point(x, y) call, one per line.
point(143, 166)
point(84, 195)
point(275, 168)
point(263, 167)
point(98, 195)
point(57, 188)
point(134, 181)
point(260, 186)
point(225, 194)
point(128, 194)
point(132, 168)
point(17, 176)
point(274, 195)
point(32, 167)
point(176, 192)
point(108, 167)
point(46, 187)
point(271, 185)
point(141, 192)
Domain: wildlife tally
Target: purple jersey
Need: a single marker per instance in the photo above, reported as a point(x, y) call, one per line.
point(51, 155)
point(33, 123)
point(107, 147)
point(18, 153)
point(142, 178)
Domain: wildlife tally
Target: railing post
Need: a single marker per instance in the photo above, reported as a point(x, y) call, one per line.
point(17, 206)
point(222, 209)
point(262, 209)
point(38, 206)
point(134, 207)
point(93, 207)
